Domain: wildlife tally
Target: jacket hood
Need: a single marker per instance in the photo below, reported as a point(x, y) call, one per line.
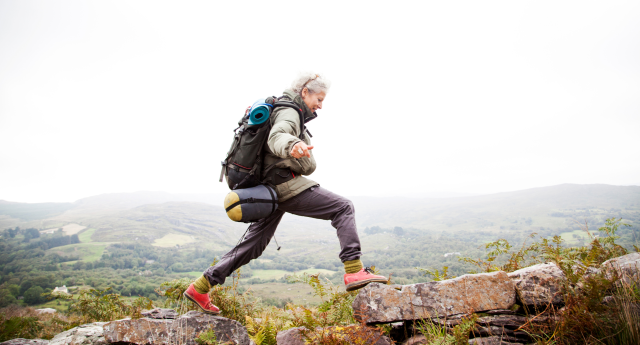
point(297, 99)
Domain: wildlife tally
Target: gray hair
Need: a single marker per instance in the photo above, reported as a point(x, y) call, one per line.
point(312, 81)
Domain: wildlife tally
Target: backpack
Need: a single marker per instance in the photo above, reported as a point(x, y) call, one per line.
point(243, 164)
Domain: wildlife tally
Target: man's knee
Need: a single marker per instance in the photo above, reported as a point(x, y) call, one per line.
point(349, 204)
point(346, 206)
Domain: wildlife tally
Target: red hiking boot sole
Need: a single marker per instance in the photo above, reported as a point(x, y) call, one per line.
point(185, 294)
point(360, 284)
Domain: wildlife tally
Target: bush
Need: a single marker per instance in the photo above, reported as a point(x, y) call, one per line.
point(584, 319)
point(20, 322)
point(95, 305)
point(34, 295)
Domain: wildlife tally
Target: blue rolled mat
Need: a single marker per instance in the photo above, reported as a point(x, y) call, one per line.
point(259, 112)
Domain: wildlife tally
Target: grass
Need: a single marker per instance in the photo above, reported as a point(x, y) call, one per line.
point(85, 236)
point(277, 274)
point(71, 229)
point(269, 274)
point(88, 252)
point(59, 305)
point(299, 293)
point(171, 240)
point(573, 237)
point(316, 271)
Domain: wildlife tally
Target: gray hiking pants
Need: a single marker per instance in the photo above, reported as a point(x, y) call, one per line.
point(315, 202)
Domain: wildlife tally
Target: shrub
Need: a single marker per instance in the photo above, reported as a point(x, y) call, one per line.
point(584, 319)
point(95, 305)
point(20, 322)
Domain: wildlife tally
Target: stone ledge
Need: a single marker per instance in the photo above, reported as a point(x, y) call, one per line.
point(471, 293)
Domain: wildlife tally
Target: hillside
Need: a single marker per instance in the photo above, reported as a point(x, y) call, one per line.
point(134, 241)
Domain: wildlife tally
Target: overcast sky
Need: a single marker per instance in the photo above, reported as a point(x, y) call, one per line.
point(454, 96)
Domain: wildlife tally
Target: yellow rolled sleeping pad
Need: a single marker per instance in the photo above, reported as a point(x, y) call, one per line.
point(250, 204)
point(235, 213)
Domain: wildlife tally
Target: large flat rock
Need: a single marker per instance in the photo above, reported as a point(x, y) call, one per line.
point(182, 330)
point(378, 303)
point(539, 285)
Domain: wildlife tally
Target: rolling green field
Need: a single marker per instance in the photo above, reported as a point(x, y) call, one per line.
point(299, 293)
point(88, 252)
point(397, 236)
point(171, 240)
point(277, 274)
point(85, 236)
point(574, 237)
point(315, 271)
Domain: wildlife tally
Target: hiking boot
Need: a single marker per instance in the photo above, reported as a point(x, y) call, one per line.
point(354, 281)
point(202, 300)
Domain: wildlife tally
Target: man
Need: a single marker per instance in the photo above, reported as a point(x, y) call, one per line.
point(291, 152)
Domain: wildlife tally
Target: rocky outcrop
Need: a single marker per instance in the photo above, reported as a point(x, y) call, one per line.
point(87, 334)
point(539, 285)
point(626, 266)
point(22, 341)
point(294, 336)
point(182, 330)
point(492, 297)
point(160, 313)
point(377, 303)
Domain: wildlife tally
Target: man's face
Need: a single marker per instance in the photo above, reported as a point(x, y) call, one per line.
point(313, 100)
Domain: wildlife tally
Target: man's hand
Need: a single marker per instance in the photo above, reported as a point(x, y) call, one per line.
point(300, 150)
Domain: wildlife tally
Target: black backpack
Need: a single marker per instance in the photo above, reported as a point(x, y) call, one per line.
point(243, 165)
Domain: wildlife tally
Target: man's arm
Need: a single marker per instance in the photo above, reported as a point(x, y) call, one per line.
point(284, 133)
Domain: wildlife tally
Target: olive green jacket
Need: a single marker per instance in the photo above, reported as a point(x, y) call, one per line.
point(285, 133)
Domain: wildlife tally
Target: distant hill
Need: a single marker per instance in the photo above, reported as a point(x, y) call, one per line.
point(399, 233)
point(148, 216)
point(35, 211)
point(498, 208)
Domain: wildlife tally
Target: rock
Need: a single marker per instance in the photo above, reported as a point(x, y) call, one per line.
point(506, 321)
point(88, 334)
point(182, 330)
point(503, 333)
point(22, 341)
point(400, 331)
point(450, 321)
point(539, 285)
point(627, 266)
point(416, 340)
point(607, 300)
point(500, 312)
point(378, 303)
point(495, 340)
point(290, 336)
point(46, 311)
point(294, 336)
point(160, 313)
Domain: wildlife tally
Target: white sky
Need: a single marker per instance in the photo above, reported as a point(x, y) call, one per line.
point(466, 97)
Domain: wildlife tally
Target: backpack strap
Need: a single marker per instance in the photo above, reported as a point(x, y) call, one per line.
point(267, 171)
point(289, 104)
